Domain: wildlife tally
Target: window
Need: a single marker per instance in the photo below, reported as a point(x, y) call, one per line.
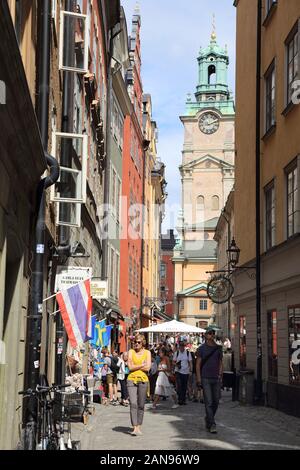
point(118, 201)
point(203, 304)
point(113, 190)
point(294, 344)
point(215, 203)
point(292, 200)
point(69, 192)
point(163, 269)
point(117, 275)
point(270, 216)
point(130, 274)
point(74, 34)
point(272, 344)
point(112, 273)
point(270, 96)
point(200, 202)
point(243, 342)
point(292, 62)
point(212, 77)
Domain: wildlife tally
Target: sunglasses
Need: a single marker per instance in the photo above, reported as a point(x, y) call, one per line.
point(138, 342)
point(210, 333)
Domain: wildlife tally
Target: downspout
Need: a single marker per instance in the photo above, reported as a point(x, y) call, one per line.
point(107, 169)
point(146, 144)
point(34, 325)
point(258, 388)
point(64, 232)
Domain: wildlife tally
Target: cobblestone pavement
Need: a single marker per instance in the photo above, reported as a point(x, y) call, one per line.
point(239, 428)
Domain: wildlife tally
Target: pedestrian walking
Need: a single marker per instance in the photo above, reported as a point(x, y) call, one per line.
point(182, 361)
point(139, 363)
point(153, 374)
point(111, 377)
point(209, 370)
point(122, 377)
point(164, 386)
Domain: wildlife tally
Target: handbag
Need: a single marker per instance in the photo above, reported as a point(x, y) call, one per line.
point(172, 379)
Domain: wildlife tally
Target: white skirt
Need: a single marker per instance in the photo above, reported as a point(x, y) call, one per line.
point(163, 386)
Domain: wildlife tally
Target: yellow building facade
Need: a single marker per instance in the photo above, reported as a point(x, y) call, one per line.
point(275, 220)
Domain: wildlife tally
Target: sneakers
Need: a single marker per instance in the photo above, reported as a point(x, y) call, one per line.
point(174, 406)
point(213, 429)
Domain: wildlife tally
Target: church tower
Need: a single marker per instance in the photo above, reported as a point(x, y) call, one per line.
point(207, 175)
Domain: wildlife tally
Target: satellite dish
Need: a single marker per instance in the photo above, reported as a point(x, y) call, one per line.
point(220, 289)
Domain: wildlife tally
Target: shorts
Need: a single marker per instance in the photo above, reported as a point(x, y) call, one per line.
point(111, 379)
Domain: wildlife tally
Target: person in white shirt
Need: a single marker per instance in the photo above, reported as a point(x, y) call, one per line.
point(183, 363)
point(122, 377)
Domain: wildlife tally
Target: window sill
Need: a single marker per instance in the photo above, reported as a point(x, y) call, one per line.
point(288, 109)
point(269, 132)
point(270, 14)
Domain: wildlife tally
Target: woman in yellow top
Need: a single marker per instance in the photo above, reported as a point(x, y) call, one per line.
point(139, 363)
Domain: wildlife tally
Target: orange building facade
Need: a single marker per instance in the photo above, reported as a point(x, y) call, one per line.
point(132, 190)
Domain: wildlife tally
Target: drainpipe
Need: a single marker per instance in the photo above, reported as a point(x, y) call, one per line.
point(34, 325)
point(64, 231)
point(258, 388)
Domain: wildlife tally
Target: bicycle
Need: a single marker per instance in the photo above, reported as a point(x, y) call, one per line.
point(52, 413)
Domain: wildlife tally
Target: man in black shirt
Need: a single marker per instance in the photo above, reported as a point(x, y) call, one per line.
point(209, 371)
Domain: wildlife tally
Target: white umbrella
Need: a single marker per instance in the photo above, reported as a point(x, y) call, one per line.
point(172, 326)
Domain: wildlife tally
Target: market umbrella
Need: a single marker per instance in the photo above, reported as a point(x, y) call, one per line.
point(172, 326)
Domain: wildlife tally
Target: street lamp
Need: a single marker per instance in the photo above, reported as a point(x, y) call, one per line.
point(233, 254)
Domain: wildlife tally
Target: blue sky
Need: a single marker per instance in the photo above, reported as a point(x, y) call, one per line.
point(172, 33)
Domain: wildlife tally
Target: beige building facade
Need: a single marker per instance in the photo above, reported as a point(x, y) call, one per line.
point(279, 204)
point(207, 175)
point(224, 313)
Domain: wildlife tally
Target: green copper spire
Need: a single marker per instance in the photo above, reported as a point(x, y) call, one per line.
point(212, 90)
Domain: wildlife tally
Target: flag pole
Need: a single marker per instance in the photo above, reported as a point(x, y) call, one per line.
point(73, 285)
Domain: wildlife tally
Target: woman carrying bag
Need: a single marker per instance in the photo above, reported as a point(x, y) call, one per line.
point(164, 386)
point(139, 363)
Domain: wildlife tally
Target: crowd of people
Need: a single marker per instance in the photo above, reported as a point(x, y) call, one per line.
point(181, 369)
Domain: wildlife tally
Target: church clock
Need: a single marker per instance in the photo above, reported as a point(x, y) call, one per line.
point(209, 123)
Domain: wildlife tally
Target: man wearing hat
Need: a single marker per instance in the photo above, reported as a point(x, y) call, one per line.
point(209, 371)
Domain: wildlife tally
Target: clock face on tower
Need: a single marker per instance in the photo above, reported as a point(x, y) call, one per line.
point(209, 123)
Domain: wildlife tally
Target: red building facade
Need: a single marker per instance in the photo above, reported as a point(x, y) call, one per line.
point(132, 188)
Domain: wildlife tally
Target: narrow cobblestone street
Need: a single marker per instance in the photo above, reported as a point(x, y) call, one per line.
point(239, 428)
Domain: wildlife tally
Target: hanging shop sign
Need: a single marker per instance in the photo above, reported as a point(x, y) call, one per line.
point(220, 289)
point(99, 289)
point(67, 276)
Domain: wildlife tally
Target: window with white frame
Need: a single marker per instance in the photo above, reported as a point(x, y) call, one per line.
point(70, 150)
point(203, 304)
point(270, 96)
point(292, 52)
point(117, 275)
point(113, 189)
point(73, 49)
point(112, 273)
point(270, 215)
point(292, 198)
point(118, 201)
